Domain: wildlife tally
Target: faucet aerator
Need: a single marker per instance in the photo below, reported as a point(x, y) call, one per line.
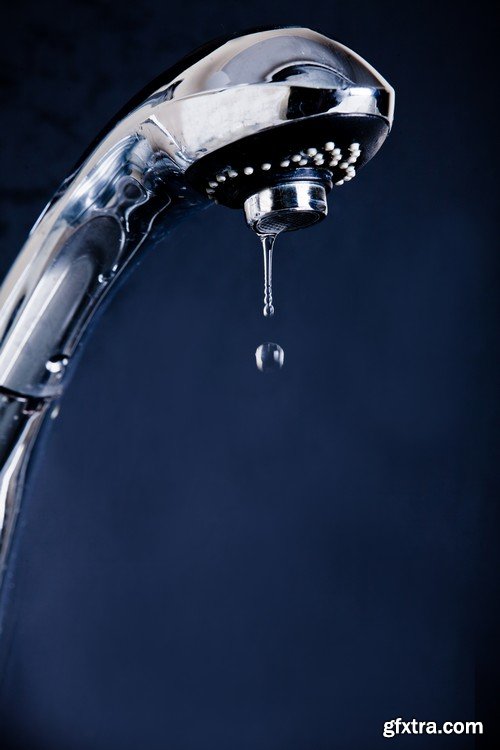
point(286, 207)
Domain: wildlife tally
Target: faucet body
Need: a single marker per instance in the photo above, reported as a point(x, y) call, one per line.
point(157, 162)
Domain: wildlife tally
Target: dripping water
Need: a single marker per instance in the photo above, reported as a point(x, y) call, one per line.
point(268, 241)
point(269, 356)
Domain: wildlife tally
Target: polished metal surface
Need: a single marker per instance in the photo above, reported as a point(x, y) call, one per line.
point(132, 187)
point(286, 207)
point(20, 420)
point(132, 183)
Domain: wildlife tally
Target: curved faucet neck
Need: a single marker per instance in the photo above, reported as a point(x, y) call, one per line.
point(166, 157)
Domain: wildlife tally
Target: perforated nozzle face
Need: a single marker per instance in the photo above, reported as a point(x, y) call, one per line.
point(330, 149)
point(286, 207)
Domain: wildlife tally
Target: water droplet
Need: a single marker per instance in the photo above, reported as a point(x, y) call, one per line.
point(55, 412)
point(269, 357)
point(268, 241)
point(57, 364)
point(107, 276)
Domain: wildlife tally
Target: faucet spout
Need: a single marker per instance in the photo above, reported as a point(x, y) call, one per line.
point(266, 122)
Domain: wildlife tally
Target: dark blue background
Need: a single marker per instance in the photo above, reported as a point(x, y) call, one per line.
point(212, 559)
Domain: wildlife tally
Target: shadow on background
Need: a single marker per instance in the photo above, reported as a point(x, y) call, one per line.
point(215, 559)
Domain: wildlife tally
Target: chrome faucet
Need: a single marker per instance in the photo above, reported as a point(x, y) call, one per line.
point(266, 122)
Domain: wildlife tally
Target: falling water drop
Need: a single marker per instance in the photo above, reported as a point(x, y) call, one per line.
point(269, 357)
point(268, 241)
